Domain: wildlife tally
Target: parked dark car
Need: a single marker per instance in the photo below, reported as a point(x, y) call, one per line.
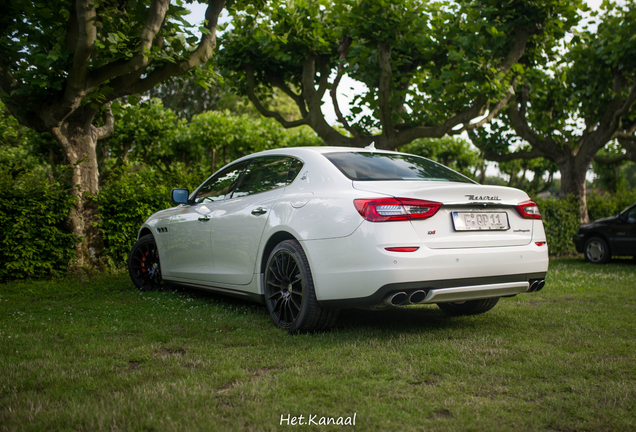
point(604, 238)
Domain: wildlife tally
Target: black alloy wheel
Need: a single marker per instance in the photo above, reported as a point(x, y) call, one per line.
point(144, 266)
point(289, 291)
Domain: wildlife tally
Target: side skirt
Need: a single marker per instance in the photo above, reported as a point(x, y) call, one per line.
point(225, 290)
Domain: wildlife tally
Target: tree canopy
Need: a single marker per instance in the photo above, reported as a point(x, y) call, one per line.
point(431, 68)
point(569, 110)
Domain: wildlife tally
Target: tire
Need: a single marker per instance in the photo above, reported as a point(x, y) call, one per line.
point(144, 266)
point(289, 291)
point(597, 251)
point(470, 307)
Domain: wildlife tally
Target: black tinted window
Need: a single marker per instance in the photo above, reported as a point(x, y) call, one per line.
point(382, 166)
point(294, 170)
point(219, 185)
point(263, 174)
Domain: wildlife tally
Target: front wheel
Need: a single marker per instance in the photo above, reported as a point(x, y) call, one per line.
point(597, 251)
point(289, 291)
point(144, 267)
point(470, 307)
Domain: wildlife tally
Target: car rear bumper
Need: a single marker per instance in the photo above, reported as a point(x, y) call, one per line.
point(443, 291)
point(358, 271)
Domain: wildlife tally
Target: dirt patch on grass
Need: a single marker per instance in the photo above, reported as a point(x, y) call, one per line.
point(442, 414)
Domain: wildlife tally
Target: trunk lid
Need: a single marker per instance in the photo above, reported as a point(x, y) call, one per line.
point(471, 203)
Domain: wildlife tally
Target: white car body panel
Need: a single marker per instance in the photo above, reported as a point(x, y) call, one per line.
point(359, 264)
point(347, 253)
point(190, 241)
point(234, 235)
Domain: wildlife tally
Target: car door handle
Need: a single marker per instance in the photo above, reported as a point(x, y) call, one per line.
point(204, 218)
point(259, 210)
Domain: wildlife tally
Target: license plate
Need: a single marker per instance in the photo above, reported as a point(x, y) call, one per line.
point(474, 221)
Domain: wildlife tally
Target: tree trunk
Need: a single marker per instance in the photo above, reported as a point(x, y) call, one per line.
point(573, 172)
point(78, 138)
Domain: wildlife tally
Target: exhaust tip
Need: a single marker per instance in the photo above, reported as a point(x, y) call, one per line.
point(540, 285)
point(417, 296)
point(536, 285)
point(396, 299)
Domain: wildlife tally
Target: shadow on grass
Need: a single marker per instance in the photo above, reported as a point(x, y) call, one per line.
point(409, 319)
point(403, 319)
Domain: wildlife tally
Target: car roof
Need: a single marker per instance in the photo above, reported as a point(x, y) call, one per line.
point(319, 150)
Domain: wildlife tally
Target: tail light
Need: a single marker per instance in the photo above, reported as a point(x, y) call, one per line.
point(395, 209)
point(528, 210)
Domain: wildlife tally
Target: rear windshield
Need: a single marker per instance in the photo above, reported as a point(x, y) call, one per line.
point(367, 166)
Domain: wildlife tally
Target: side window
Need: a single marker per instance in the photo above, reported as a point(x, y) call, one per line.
point(263, 174)
point(218, 186)
point(631, 216)
point(294, 170)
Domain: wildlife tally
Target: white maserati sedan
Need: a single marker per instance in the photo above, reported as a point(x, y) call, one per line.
point(309, 231)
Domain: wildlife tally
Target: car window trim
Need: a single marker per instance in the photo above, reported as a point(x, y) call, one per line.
point(280, 156)
point(194, 194)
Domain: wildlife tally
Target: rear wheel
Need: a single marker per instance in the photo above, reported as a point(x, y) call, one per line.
point(597, 251)
point(144, 267)
point(470, 307)
point(289, 291)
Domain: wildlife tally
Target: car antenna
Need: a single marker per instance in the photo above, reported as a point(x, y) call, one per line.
point(370, 146)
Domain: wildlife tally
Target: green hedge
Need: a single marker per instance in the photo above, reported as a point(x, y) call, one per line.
point(605, 205)
point(560, 220)
point(33, 240)
point(124, 204)
point(128, 197)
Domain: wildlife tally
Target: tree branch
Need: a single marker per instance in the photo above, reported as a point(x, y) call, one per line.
point(629, 144)
point(323, 82)
point(523, 154)
point(278, 82)
point(343, 48)
point(82, 25)
point(519, 123)
point(476, 110)
point(493, 112)
point(109, 122)
point(384, 94)
point(611, 160)
point(26, 118)
point(251, 94)
point(522, 34)
point(9, 85)
point(200, 55)
point(629, 101)
point(154, 22)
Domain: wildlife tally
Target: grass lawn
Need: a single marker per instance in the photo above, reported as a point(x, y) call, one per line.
point(99, 355)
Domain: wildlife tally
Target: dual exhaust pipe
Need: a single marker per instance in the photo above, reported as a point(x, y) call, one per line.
point(536, 285)
point(401, 298)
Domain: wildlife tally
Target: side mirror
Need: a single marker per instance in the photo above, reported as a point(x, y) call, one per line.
point(179, 196)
